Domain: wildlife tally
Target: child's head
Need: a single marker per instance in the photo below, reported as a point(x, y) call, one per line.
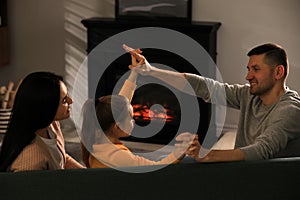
point(115, 112)
point(111, 115)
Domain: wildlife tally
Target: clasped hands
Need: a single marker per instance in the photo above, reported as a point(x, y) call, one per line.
point(187, 144)
point(138, 61)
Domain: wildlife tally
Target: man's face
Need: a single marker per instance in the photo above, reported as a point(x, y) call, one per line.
point(260, 76)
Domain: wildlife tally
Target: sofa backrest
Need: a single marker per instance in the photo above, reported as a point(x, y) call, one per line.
point(268, 179)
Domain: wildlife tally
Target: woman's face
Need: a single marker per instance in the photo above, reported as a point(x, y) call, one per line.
point(63, 111)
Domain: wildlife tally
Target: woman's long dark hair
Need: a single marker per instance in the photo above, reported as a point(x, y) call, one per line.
point(34, 108)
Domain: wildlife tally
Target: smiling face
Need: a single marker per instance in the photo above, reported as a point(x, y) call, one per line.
point(260, 76)
point(63, 111)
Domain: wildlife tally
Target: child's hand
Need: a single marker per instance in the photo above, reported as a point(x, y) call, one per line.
point(186, 143)
point(138, 61)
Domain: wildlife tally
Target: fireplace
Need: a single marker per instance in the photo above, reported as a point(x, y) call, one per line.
point(168, 115)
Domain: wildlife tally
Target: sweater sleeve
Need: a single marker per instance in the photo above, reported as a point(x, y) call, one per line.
point(128, 89)
point(218, 93)
point(31, 158)
point(120, 156)
point(129, 86)
point(71, 163)
point(126, 158)
point(280, 128)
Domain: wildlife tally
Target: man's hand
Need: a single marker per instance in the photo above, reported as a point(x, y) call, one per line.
point(194, 148)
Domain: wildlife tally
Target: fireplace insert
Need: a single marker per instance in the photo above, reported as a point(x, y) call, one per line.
point(168, 114)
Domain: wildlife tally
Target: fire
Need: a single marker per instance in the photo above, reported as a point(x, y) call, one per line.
point(143, 113)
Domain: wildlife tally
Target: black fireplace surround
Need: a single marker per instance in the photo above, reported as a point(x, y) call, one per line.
point(205, 33)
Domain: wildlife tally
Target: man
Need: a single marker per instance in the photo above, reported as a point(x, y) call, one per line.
point(268, 125)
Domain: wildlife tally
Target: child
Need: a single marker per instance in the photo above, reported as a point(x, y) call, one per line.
point(110, 118)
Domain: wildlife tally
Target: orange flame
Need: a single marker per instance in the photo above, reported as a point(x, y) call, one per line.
point(143, 112)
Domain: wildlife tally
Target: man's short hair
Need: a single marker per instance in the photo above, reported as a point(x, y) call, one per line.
point(274, 55)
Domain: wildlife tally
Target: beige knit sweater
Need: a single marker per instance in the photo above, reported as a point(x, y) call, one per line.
point(37, 157)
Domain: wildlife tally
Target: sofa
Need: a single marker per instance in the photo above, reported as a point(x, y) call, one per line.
point(266, 179)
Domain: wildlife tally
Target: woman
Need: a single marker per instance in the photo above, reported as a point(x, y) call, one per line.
point(34, 140)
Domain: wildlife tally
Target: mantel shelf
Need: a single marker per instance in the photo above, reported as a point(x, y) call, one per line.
point(205, 33)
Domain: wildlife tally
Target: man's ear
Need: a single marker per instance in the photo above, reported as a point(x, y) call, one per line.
point(279, 72)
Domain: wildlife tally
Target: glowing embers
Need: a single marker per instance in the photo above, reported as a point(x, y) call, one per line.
point(157, 103)
point(142, 112)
